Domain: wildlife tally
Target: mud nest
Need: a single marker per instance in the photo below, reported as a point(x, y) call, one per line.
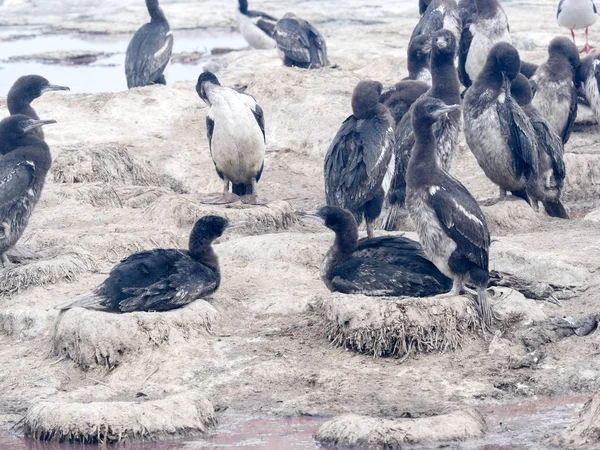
point(114, 337)
point(54, 265)
point(111, 163)
point(112, 422)
point(398, 327)
point(184, 210)
point(585, 433)
point(370, 432)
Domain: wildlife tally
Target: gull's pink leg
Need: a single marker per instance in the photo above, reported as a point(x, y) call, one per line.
point(587, 47)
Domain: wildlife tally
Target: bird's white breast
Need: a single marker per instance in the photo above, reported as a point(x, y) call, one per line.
point(576, 14)
point(553, 100)
point(256, 37)
point(486, 33)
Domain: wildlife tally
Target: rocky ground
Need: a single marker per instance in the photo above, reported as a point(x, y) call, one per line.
point(129, 170)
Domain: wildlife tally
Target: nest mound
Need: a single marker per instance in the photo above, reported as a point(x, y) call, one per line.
point(54, 265)
point(371, 432)
point(112, 164)
point(585, 432)
point(172, 417)
point(398, 327)
point(185, 210)
point(510, 215)
point(115, 336)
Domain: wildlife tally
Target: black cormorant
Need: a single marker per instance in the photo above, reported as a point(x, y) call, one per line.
point(257, 27)
point(150, 50)
point(382, 266)
point(236, 136)
point(401, 96)
point(554, 87)
point(161, 279)
point(299, 43)
point(451, 227)
point(497, 130)
point(23, 169)
point(359, 163)
point(484, 24)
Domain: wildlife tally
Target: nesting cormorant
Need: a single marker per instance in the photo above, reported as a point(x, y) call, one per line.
point(575, 15)
point(236, 136)
point(497, 130)
point(445, 87)
point(257, 27)
point(547, 185)
point(161, 279)
point(484, 24)
point(382, 266)
point(554, 87)
point(401, 96)
point(23, 170)
point(440, 14)
point(588, 78)
point(359, 163)
point(299, 43)
point(417, 62)
point(150, 50)
point(450, 224)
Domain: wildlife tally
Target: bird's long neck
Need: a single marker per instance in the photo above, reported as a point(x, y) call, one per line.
point(444, 79)
point(202, 251)
point(423, 160)
point(21, 105)
point(415, 66)
point(490, 78)
point(341, 251)
point(156, 13)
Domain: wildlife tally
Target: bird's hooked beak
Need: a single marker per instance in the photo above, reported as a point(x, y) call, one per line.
point(54, 87)
point(427, 48)
point(312, 216)
point(236, 225)
point(33, 124)
point(441, 42)
point(445, 110)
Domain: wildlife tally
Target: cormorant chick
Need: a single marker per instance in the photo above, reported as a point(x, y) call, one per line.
point(439, 14)
point(401, 96)
point(359, 164)
point(383, 266)
point(417, 62)
point(161, 279)
point(24, 164)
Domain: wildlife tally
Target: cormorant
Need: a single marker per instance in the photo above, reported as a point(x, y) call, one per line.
point(577, 14)
point(528, 69)
point(161, 279)
point(417, 62)
point(439, 14)
point(450, 224)
point(23, 170)
point(547, 185)
point(150, 50)
point(554, 87)
point(445, 87)
point(236, 135)
point(401, 96)
point(382, 266)
point(588, 78)
point(497, 130)
point(257, 27)
point(484, 24)
point(299, 43)
point(359, 163)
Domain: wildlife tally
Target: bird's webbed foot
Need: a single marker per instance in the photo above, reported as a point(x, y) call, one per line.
point(225, 199)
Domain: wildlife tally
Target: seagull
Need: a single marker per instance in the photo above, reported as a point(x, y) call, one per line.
point(575, 15)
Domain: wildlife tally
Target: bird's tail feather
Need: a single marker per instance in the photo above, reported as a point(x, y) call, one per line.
point(89, 300)
point(484, 309)
point(556, 209)
point(521, 194)
point(394, 217)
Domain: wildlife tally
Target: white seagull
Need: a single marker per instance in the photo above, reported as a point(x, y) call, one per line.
point(575, 15)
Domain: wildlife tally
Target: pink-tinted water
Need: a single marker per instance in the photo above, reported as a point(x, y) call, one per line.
point(512, 426)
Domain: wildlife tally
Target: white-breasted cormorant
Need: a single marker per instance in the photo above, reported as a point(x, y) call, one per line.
point(554, 86)
point(161, 279)
point(440, 14)
point(399, 97)
point(257, 27)
point(150, 50)
point(547, 185)
point(359, 162)
point(445, 86)
point(383, 266)
point(497, 130)
point(235, 126)
point(299, 43)
point(575, 15)
point(23, 170)
point(417, 59)
point(484, 24)
point(451, 227)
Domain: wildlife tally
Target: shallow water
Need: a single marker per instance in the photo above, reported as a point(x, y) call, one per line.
point(107, 73)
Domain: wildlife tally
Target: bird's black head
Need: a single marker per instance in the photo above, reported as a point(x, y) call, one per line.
point(564, 48)
point(17, 130)
point(504, 58)
point(443, 43)
point(204, 79)
point(427, 110)
point(243, 6)
point(521, 90)
point(342, 222)
point(419, 50)
point(30, 87)
point(365, 99)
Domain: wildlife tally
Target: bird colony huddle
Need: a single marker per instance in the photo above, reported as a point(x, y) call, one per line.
point(392, 155)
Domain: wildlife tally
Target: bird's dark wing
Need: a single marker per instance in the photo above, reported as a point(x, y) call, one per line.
point(429, 23)
point(210, 127)
point(259, 116)
point(466, 37)
point(319, 50)
point(560, 7)
point(572, 116)
point(423, 4)
point(148, 54)
point(263, 21)
point(549, 142)
point(16, 178)
point(462, 219)
point(292, 40)
point(405, 141)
